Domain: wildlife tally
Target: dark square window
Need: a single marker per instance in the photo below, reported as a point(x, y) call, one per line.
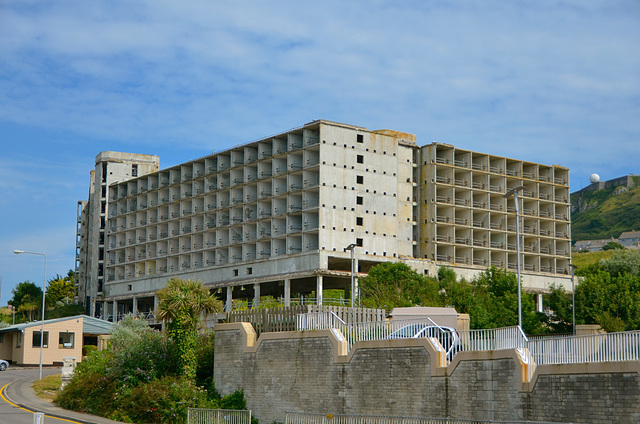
point(359, 200)
point(360, 158)
point(36, 339)
point(360, 138)
point(359, 242)
point(359, 179)
point(359, 220)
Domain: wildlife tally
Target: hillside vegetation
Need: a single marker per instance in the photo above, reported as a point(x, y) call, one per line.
point(603, 214)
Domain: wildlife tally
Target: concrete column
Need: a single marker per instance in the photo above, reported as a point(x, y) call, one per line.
point(539, 303)
point(287, 292)
point(256, 296)
point(134, 306)
point(115, 311)
point(319, 290)
point(228, 307)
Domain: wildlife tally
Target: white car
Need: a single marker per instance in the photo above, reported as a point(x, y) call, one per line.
point(447, 336)
point(3, 365)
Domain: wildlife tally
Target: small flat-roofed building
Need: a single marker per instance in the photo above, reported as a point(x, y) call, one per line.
point(63, 337)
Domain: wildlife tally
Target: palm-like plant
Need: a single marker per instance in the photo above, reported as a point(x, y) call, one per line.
point(181, 305)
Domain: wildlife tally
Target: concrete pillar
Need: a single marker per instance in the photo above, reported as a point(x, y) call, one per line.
point(228, 307)
point(115, 311)
point(134, 306)
point(287, 292)
point(539, 303)
point(256, 296)
point(319, 290)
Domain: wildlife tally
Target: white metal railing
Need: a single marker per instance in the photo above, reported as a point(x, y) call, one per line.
point(218, 416)
point(608, 347)
point(493, 339)
point(563, 349)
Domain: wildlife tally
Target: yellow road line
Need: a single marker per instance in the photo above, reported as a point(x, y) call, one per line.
point(28, 410)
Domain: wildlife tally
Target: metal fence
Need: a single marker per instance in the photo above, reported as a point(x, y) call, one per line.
point(301, 418)
point(608, 347)
point(285, 319)
point(563, 349)
point(493, 339)
point(217, 416)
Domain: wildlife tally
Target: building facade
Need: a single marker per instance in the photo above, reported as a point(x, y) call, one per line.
point(278, 217)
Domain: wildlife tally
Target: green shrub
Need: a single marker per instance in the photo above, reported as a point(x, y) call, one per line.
point(204, 357)
point(90, 390)
point(161, 401)
point(88, 349)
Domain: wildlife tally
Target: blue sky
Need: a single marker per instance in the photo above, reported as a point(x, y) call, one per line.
point(555, 82)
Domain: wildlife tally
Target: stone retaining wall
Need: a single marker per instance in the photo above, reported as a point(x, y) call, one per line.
point(312, 372)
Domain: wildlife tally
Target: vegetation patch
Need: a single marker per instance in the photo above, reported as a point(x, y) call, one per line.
point(48, 387)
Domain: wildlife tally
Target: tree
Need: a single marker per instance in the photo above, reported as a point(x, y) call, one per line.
point(394, 284)
point(612, 245)
point(181, 305)
point(27, 298)
point(61, 290)
point(26, 288)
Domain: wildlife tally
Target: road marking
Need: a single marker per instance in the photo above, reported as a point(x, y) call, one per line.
point(28, 410)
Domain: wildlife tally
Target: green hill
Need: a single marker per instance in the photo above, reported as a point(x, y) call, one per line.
point(606, 213)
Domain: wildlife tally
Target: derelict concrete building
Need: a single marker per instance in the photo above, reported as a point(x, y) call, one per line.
point(275, 217)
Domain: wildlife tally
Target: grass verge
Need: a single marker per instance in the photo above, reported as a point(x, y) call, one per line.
point(47, 388)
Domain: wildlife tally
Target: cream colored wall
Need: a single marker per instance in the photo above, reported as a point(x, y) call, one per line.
point(29, 355)
point(6, 347)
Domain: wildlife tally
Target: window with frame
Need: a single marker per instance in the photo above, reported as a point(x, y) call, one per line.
point(36, 339)
point(66, 340)
point(19, 339)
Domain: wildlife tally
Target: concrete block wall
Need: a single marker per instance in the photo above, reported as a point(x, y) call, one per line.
point(312, 372)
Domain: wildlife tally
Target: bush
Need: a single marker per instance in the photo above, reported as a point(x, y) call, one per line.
point(88, 349)
point(162, 401)
point(90, 390)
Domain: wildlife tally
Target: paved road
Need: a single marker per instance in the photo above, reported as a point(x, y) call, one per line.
point(18, 401)
point(10, 413)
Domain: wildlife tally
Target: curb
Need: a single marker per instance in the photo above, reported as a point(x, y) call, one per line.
point(70, 416)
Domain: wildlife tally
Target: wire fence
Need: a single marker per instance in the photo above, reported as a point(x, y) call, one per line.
point(218, 416)
point(302, 418)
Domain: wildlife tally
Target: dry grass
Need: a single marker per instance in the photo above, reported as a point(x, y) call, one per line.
point(47, 388)
point(581, 260)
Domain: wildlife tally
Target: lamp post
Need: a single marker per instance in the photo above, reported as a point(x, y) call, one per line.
point(573, 298)
point(353, 284)
point(514, 192)
point(44, 282)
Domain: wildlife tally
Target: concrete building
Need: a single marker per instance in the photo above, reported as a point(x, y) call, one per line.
point(278, 216)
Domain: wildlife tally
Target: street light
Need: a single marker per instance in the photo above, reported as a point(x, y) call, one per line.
point(573, 298)
point(353, 284)
point(44, 281)
point(514, 192)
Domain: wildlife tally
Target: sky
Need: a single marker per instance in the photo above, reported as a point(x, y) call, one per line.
point(548, 81)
